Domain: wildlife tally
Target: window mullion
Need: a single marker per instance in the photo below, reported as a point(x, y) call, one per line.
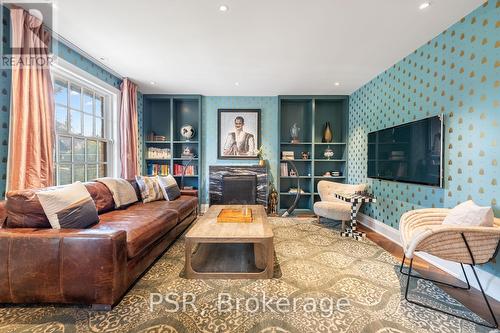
point(72, 160)
point(70, 136)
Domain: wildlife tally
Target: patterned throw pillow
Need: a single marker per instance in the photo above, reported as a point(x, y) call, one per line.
point(69, 206)
point(150, 188)
point(169, 187)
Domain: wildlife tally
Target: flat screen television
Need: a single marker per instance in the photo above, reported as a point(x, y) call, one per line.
point(410, 153)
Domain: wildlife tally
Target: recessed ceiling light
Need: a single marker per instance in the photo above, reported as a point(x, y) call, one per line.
point(336, 84)
point(223, 8)
point(152, 83)
point(236, 83)
point(424, 5)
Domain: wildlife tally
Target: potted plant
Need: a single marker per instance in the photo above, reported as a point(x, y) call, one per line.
point(260, 154)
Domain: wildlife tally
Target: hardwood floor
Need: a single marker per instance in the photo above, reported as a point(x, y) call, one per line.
point(472, 298)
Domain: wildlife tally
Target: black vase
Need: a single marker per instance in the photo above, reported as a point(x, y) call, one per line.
point(327, 133)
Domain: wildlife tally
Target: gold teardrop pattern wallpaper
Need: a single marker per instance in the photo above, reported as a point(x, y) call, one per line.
point(456, 74)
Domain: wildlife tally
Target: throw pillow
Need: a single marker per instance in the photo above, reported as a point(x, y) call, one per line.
point(469, 214)
point(150, 188)
point(169, 187)
point(69, 206)
point(123, 192)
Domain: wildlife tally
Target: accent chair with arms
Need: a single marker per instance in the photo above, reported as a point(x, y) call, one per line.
point(331, 207)
point(422, 230)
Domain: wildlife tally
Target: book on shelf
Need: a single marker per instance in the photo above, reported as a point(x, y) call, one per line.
point(284, 169)
point(287, 155)
point(158, 153)
point(155, 169)
point(190, 170)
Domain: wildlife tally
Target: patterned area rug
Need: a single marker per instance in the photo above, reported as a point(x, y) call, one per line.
point(331, 284)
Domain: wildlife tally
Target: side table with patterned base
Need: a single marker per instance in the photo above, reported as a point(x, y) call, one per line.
point(354, 200)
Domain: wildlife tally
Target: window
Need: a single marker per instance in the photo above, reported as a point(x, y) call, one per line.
point(83, 142)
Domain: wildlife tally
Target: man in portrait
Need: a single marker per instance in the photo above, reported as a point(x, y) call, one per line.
point(239, 142)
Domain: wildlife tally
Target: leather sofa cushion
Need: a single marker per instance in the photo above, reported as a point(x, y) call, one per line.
point(143, 224)
point(184, 205)
point(25, 211)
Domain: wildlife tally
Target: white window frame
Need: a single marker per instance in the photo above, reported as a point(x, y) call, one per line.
point(64, 70)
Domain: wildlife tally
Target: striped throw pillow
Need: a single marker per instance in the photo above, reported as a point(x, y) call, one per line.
point(169, 187)
point(150, 188)
point(69, 206)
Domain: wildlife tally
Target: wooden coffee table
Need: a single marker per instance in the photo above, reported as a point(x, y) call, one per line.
point(230, 250)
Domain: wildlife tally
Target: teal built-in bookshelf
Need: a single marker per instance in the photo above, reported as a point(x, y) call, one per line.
point(164, 116)
point(310, 113)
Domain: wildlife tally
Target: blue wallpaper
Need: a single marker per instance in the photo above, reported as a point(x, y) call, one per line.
point(455, 74)
point(80, 61)
point(269, 138)
point(5, 78)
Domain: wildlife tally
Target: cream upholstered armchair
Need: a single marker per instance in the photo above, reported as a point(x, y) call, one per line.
point(331, 207)
point(422, 230)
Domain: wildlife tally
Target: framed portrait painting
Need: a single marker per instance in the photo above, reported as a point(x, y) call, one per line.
point(238, 133)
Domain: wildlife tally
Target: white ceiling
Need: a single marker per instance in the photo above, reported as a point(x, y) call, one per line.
point(270, 47)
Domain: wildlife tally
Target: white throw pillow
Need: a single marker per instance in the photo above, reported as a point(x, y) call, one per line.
point(468, 214)
point(69, 206)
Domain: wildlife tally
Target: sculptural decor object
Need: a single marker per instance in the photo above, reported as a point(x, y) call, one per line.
point(327, 133)
point(272, 201)
point(187, 132)
point(187, 153)
point(328, 153)
point(294, 133)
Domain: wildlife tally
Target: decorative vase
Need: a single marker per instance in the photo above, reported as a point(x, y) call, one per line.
point(327, 133)
point(294, 133)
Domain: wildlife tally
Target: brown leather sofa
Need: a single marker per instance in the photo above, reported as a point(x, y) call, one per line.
point(93, 266)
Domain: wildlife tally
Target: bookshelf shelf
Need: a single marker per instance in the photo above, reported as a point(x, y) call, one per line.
point(310, 113)
point(186, 142)
point(164, 115)
point(296, 144)
point(329, 177)
point(330, 143)
point(294, 194)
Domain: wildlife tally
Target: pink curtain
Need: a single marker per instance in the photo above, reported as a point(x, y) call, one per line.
point(31, 161)
point(129, 130)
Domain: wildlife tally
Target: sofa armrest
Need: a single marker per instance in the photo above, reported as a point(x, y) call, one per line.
point(3, 213)
point(447, 242)
point(62, 266)
point(192, 193)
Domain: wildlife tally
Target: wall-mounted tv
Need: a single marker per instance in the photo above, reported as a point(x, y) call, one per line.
point(410, 153)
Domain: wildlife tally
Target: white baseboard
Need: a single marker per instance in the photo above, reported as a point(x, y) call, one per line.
point(204, 208)
point(490, 282)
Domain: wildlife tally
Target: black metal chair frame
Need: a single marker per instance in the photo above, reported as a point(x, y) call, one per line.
point(409, 275)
